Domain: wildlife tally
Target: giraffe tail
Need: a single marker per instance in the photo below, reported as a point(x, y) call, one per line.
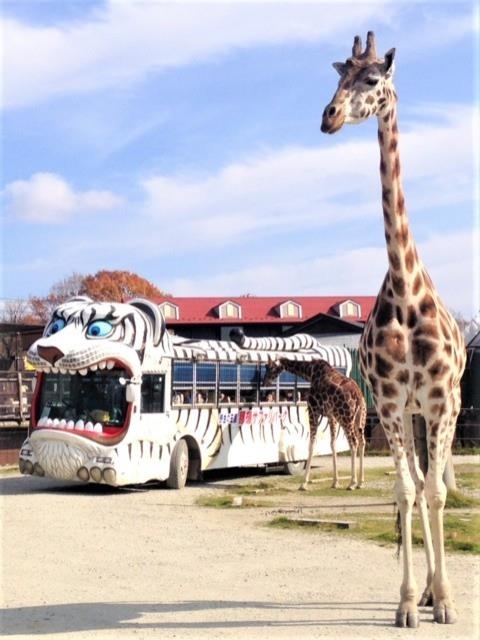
point(398, 530)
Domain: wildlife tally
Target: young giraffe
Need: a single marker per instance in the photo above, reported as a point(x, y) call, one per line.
point(336, 397)
point(411, 351)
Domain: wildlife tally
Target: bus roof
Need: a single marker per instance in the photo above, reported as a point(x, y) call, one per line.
point(228, 351)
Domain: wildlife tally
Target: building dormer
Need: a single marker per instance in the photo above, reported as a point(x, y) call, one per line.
point(229, 310)
point(289, 309)
point(349, 309)
point(170, 311)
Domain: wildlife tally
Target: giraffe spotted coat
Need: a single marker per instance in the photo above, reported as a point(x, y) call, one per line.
point(339, 399)
point(412, 352)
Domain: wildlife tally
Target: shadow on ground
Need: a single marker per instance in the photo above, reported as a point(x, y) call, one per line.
point(97, 616)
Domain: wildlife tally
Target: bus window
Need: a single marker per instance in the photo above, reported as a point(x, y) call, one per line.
point(153, 386)
point(250, 379)
point(206, 382)
point(226, 396)
point(228, 381)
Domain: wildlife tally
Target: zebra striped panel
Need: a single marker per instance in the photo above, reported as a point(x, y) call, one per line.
point(225, 351)
point(293, 343)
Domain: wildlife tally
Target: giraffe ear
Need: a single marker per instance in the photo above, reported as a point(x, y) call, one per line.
point(388, 65)
point(339, 67)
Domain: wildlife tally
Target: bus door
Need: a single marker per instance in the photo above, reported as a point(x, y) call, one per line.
point(154, 408)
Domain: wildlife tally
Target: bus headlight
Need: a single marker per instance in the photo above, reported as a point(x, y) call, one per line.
point(110, 476)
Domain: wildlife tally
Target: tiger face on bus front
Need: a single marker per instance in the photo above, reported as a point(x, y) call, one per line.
point(84, 335)
point(89, 353)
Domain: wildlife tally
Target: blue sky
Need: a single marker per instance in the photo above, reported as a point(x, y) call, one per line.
point(181, 141)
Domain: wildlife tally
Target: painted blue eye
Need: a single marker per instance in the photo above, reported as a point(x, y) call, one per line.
point(99, 329)
point(57, 326)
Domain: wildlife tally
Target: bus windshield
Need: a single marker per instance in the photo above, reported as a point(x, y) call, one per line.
point(97, 398)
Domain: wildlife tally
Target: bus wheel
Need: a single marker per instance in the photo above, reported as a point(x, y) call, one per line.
point(178, 466)
point(295, 468)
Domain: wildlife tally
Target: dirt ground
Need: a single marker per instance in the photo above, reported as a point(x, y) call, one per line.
point(91, 562)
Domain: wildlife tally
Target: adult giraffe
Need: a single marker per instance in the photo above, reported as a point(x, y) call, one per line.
point(411, 351)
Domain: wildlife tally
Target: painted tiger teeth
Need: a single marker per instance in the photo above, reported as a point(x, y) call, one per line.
point(103, 364)
point(70, 425)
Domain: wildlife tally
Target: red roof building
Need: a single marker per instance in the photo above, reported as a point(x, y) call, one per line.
point(214, 317)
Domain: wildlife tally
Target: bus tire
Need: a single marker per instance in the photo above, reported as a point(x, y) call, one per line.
point(295, 468)
point(178, 466)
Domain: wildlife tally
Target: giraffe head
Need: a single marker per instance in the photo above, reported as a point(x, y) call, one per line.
point(273, 369)
point(365, 87)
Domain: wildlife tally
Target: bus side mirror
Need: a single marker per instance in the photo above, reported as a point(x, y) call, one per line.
point(132, 392)
point(132, 389)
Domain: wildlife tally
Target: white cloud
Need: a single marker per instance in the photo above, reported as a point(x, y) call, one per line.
point(124, 41)
point(315, 188)
point(449, 260)
point(292, 186)
point(47, 198)
point(121, 42)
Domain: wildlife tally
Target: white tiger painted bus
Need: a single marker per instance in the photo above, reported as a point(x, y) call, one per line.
point(118, 400)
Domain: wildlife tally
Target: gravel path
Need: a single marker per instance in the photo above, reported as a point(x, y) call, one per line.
point(88, 562)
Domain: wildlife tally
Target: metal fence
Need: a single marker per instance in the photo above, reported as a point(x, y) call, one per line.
point(16, 390)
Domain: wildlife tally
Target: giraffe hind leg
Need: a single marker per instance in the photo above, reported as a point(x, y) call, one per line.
point(333, 446)
point(419, 481)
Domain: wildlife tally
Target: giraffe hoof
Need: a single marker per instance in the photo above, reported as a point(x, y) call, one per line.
point(444, 614)
point(408, 619)
point(303, 487)
point(352, 487)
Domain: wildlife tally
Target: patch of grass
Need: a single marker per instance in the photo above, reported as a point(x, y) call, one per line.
point(466, 451)
point(227, 501)
point(379, 484)
point(459, 500)
point(219, 502)
point(7, 470)
point(467, 476)
point(461, 520)
point(462, 533)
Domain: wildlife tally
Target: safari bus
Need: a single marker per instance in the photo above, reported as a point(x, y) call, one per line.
point(118, 400)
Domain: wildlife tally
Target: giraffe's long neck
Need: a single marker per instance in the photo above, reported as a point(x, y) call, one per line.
point(297, 368)
point(403, 258)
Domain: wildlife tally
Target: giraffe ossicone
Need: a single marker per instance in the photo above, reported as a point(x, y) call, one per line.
point(412, 352)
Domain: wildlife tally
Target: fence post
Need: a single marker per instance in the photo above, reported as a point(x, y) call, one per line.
point(20, 396)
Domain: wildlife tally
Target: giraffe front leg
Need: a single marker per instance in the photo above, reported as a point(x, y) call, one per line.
point(353, 467)
point(444, 610)
point(407, 611)
point(311, 445)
